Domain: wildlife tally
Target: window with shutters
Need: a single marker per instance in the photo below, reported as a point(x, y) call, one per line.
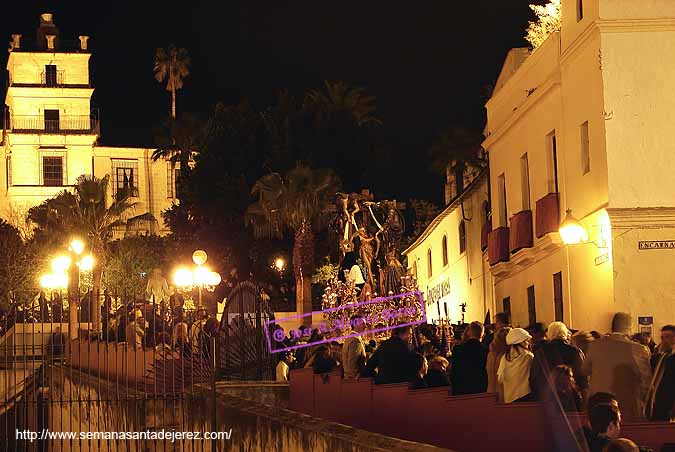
point(525, 181)
point(52, 171)
point(552, 158)
point(125, 173)
point(558, 297)
point(430, 268)
point(50, 75)
point(8, 171)
point(506, 305)
point(531, 306)
point(585, 148)
point(171, 180)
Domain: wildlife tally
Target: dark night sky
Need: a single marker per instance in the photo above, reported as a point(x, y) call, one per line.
point(426, 61)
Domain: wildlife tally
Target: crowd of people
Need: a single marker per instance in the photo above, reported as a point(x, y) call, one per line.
point(160, 320)
point(572, 369)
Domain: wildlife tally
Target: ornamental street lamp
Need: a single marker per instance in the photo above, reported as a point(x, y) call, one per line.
point(199, 276)
point(572, 232)
point(67, 276)
point(279, 264)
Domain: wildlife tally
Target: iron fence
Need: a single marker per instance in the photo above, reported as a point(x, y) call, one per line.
point(141, 367)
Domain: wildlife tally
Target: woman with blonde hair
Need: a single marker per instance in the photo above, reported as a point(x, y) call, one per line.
point(514, 367)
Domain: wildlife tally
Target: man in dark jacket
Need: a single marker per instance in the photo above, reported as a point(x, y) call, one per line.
point(469, 375)
point(552, 353)
point(393, 359)
point(660, 403)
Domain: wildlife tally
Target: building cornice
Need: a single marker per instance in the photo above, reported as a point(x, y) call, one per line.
point(590, 32)
point(642, 218)
point(526, 257)
point(49, 92)
point(552, 82)
point(628, 25)
point(530, 62)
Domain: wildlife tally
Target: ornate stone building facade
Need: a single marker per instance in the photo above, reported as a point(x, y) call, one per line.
point(51, 134)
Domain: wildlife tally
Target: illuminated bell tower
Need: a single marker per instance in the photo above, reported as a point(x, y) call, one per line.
point(49, 128)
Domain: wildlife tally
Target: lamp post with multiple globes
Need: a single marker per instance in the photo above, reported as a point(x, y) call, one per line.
point(199, 276)
point(64, 275)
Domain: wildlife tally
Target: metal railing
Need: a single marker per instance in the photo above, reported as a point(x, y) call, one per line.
point(79, 124)
point(57, 78)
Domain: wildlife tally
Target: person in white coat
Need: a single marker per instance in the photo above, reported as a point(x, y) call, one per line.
point(514, 368)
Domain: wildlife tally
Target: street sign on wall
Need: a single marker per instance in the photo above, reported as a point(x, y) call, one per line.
point(656, 245)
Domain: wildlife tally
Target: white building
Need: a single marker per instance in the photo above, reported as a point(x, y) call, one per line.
point(449, 259)
point(50, 134)
point(584, 123)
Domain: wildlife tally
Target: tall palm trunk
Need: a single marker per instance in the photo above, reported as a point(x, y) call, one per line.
point(173, 104)
point(303, 265)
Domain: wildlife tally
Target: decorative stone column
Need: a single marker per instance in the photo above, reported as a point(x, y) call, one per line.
point(83, 42)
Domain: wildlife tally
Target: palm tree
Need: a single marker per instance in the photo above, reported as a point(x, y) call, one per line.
point(86, 212)
point(457, 149)
point(173, 65)
point(296, 201)
point(179, 139)
point(339, 97)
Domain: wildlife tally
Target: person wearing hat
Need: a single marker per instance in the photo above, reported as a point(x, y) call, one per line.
point(514, 367)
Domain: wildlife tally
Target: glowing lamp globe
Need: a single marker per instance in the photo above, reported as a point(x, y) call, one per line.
point(60, 281)
point(182, 277)
point(279, 264)
point(201, 275)
point(47, 281)
point(199, 257)
point(572, 231)
point(213, 279)
point(76, 246)
point(87, 263)
point(60, 264)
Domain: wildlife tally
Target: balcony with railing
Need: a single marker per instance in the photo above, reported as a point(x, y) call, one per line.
point(51, 79)
point(521, 231)
point(64, 125)
point(498, 245)
point(548, 214)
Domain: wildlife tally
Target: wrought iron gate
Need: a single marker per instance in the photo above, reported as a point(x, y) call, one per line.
point(243, 352)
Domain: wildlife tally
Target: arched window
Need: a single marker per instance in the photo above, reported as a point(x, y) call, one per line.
point(462, 237)
point(445, 250)
point(414, 269)
point(430, 268)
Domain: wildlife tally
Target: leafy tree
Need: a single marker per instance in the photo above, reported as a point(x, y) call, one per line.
point(18, 276)
point(173, 65)
point(549, 20)
point(86, 212)
point(296, 201)
point(179, 139)
point(337, 128)
point(130, 261)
